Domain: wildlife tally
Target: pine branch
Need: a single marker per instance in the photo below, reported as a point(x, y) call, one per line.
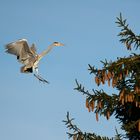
point(124, 63)
point(126, 73)
point(118, 136)
point(77, 134)
point(127, 35)
point(123, 73)
point(103, 103)
point(81, 88)
point(71, 126)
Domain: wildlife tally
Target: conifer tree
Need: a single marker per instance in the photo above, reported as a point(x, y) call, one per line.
point(123, 75)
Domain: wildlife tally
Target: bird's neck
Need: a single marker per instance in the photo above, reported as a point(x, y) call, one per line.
point(46, 51)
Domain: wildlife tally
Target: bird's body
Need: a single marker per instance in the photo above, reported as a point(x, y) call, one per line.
point(27, 55)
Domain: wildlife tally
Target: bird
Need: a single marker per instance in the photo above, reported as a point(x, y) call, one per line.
point(28, 56)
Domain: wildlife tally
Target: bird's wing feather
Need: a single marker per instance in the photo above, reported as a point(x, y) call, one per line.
point(19, 48)
point(33, 49)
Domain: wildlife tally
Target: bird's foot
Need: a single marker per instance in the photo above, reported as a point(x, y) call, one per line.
point(41, 79)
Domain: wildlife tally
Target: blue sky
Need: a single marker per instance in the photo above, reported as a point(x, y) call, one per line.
point(34, 111)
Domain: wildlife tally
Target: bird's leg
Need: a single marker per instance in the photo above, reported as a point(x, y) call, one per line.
point(39, 77)
point(36, 70)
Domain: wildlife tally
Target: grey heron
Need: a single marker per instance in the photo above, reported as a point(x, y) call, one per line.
point(28, 57)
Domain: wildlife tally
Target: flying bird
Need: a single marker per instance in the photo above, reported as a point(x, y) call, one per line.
point(28, 57)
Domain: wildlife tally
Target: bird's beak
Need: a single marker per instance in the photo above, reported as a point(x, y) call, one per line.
point(57, 44)
point(61, 44)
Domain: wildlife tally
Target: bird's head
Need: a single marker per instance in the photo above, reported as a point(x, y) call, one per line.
point(58, 44)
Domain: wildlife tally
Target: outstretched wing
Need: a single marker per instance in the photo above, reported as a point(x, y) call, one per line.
point(21, 49)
